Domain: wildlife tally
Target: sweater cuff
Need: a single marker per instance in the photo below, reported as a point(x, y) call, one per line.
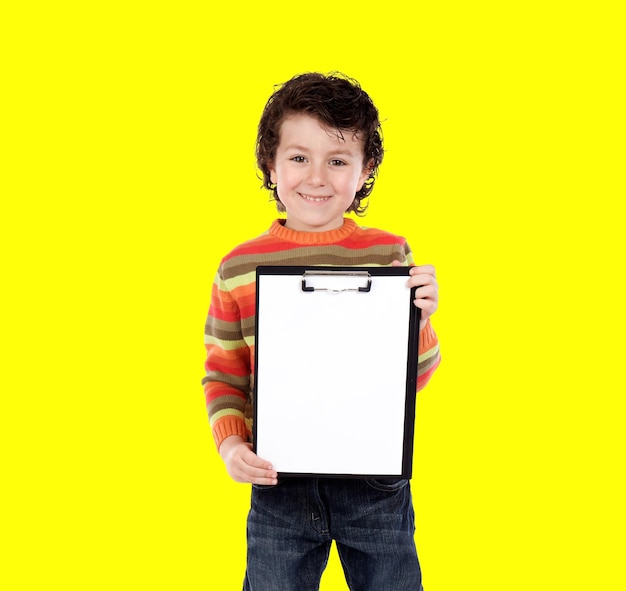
point(428, 338)
point(229, 426)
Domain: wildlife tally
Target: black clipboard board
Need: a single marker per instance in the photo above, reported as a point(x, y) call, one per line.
point(335, 371)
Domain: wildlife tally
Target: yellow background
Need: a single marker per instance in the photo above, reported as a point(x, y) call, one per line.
point(128, 172)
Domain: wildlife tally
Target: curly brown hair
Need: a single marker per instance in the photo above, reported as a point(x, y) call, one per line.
point(337, 102)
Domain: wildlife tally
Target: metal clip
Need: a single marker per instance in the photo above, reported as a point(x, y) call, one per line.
point(358, 274)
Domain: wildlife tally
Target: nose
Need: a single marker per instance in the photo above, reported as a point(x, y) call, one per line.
point(317, 175)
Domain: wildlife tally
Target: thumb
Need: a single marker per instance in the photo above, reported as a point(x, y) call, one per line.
point(398, 264)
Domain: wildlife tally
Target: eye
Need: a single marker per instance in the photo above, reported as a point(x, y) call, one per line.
point(298, 159)
point(336, 162)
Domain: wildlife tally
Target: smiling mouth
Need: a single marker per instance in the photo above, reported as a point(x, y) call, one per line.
point(314, 199)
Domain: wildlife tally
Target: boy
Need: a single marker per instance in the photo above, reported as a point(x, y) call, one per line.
point(319, 147)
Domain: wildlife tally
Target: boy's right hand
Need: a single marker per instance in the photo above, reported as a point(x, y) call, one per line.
point(243, 464)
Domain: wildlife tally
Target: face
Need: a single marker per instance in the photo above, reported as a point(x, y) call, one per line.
point(317, 173)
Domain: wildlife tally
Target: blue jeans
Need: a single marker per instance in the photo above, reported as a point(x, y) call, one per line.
point(291, 527)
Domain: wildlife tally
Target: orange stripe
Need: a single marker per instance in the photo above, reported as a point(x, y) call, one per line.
point(224, 355)
point(214, 390)
point(239, 368)
point(221, 308)
point(244, 292)
point(428, 338)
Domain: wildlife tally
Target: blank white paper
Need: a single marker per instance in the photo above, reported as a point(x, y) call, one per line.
point(332, 375)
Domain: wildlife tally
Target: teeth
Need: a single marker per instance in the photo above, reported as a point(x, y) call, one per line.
point(317, 199)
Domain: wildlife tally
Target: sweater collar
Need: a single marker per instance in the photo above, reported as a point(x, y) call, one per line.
point(313, 238)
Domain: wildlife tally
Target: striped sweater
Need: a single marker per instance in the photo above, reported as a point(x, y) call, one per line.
point(230, 327)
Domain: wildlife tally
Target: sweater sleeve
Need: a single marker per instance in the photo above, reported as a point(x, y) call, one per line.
point(428, 354)
point(428, 357)
point(227, 366)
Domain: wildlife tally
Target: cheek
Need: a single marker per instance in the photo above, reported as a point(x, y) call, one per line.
point(285, 177)
point(354, 183)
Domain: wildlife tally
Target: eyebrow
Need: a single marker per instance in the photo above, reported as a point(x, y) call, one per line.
point(332, 153)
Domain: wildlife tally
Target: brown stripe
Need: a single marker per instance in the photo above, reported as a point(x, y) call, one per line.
point(226, 402)
point(248, 326)
point(424, 366)
point(222, 329)
point(230, 331)
point(234, 381)
point(330, 255)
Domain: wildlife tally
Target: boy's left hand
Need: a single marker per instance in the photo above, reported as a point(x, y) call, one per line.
point(423, 277)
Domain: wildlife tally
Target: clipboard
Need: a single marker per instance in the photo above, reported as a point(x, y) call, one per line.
point(335, 371)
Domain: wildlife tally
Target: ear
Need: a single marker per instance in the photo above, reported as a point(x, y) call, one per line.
point(367, 171)
point(273, 176)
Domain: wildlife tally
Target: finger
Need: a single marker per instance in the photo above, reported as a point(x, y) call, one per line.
point(257, 468)
point(260, 475)
point(398, 264)
point(251, 459)
point(265, 481)
point(263, 478)
point(428, 307)
point(427, 292)
point(423, 270)
point(252, 473)
point(421, 280)
point(242, 472)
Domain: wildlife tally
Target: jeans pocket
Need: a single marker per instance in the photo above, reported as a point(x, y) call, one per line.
point(387, 484)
